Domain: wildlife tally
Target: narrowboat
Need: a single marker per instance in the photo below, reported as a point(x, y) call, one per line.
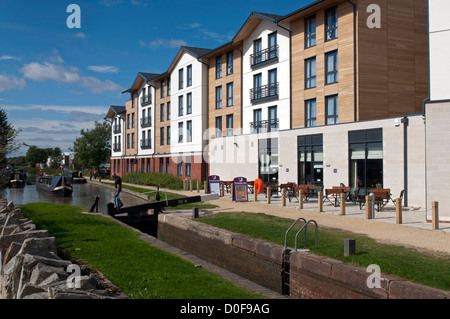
point(55, 185)
point(17, 180)
point(77, 177)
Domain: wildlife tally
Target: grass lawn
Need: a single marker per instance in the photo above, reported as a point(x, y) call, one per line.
point(138, 269)
point(407, 263)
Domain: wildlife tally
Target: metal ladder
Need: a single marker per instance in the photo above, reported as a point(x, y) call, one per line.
point(286, 273)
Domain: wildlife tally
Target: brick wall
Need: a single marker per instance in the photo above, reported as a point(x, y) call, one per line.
point(311, 276)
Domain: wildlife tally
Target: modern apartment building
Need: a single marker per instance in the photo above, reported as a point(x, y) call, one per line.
point(331, 93)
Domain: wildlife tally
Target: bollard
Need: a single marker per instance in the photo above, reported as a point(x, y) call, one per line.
point(398, 209)
point(232, 191)
point(435, 215)
point(222, 190)
point(320, 201)
point(205, 185)
point(300, 199)
point(190, 185)
point(198, 186)
point(195, 212)
point(283, 197)
point(269, 195)
point(368, 207)
point(349, 247)
point(342, 204)
point(255, 195)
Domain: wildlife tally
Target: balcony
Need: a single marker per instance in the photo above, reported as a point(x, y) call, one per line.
point(146, 122)
point(116, 147)
point(146, 144)
point(264, 126)
point(117, 129)
point(264, 56)
point(146, 99)
point(263, 93)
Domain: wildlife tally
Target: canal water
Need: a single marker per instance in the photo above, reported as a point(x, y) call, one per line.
point(83, 195)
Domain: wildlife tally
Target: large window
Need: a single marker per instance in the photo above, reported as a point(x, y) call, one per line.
point(230, 100)
point(230, 125)
point(189, 103)
point(310, 32)
point(331, 104)
point(366, 159)
point(189, 75)
point(189, 131)
point(268, 160)
point(180, 79)
point(219, 67)
point(310, 113)
point(310, 73)
point(180, 105)
point(310, 158)
point(331, 67)
point(230, 63)
point(219, 126)
point(273, 119)
point(331, 24)
point(180, 132)
point(218, 97)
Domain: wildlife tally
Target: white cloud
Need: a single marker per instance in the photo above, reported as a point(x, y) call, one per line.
point(10, 82)
point(8, 57)
point(47, 71)
point(163, 43)
point(103, 68)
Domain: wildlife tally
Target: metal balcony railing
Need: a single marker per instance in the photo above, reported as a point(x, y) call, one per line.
point(265, 92)
point(117, 129)
point(116, 147)
point(146, 121)
point(264, 126)
point(146, 99)
point(146, 143)
point(264, 56)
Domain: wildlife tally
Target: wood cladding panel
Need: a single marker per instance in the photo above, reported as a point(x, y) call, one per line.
point(393, 60)
point(345, 86)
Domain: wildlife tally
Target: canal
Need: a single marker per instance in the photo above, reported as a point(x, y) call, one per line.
point(83, 195)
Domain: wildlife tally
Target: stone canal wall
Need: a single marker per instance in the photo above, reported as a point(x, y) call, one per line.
point(30, 267)
point(311, 276)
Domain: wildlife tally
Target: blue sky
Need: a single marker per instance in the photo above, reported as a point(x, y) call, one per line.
point(55, 81)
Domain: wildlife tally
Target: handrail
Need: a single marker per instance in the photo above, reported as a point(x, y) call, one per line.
point(286, 234)
point(304, 240)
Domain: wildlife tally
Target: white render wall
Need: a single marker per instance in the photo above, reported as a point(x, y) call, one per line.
point(228, 160)
point(120, 136)
point(283, 76)
point(199, 92)
point(439, 29)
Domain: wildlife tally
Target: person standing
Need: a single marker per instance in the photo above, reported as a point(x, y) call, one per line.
point(118, 189)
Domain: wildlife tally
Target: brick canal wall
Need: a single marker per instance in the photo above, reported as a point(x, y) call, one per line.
point(262, 262)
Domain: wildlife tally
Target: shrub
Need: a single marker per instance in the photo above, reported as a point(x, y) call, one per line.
point(154, 179)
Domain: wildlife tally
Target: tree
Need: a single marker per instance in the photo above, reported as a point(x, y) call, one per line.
point(94, 146)
point(56, 157)
point(37, 155)
point(7, 145)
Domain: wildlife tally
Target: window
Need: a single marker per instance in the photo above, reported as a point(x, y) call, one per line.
point(180, 105)
point(180, 79)
point(331, 67)
point(167, 165)
point(257, 83)
point(310, 32)
point(331, 104)
point(218, 126)
point(310, 73)
point(273, 119)
point(189, 75)
point(180, 132)
point(230, 101)
point(128, 140)
point(366, 159)
point(168, 87)
point(189, 131)
point(132, 100)
point(257, 48)
point(168, 111)
point(187, 161)
point(132, 120)
point(257, 121)
point(180, 166)
point(168, 135)
point(219, 67)
point(272, 45)
point(161, 113)
point(163, 88)
point(189, 103)
point(128, 121)
point(161, 165)
point(273, 84)
point(218, 97)
point(310, 113)
point(268, 160)
point(230, 63)
point(310, 157)
point(331, 24)
point(161, 136)
point(149, 139)
point(230, 125)
point(132, 140)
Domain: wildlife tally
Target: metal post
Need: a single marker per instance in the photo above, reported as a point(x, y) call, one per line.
point(300, 199)
point(342, 204)
point(368, 208)
point(283, 197)
point(435, 215)
point(269, 195)
point(320, 200)
point(398, 206)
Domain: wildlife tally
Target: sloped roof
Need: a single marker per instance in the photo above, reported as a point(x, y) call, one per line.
point(140, 78)
point(114, 110)
point(252, 22)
